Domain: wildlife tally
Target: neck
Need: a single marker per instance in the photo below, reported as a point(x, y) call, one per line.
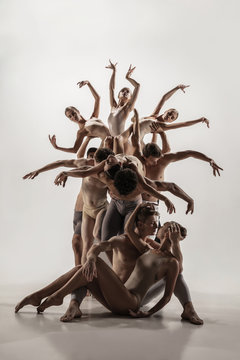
point(141, 234)
point(160, 118)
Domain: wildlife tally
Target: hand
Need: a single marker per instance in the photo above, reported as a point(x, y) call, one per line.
point(206, 121)
point(108, 142)
point(139, 313)
point(89, 270)
point(182, 87)
point(61, 179)
point(82, 83)
point(170, 206)
point(130, 71)
point(53, 141)
point(215, 167)
point(174, 232)
point(31, 175)
point(190, 207)
point(111, 66)
point(156, 127)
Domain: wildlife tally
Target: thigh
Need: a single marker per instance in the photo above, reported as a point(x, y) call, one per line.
point(112, 222)
point(98, 224)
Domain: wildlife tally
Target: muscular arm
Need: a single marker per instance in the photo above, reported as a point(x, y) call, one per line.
point(166, 97)
point(79, 139)
point(165, 144)
point(113, 102)
point(173, 126)
point(136, 85)
point(83, 147)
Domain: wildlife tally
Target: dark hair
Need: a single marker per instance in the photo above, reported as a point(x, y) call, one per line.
point(151, 149)
point(102, 154)
point(183, 230)
point(146, 211)
point(91, 150)
point(70, 108)
point(125, 181)
point(113, 170)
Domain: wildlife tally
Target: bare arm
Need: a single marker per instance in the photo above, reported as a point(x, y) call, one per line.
point(54, 165)
point(136, 138)
point(165, 144)
point(95, 95)
point(83, 147)
point(182, 155)
point(166, 97)
point(133, 236)
point(175, 236)
point(161, 126)
point(136, 85)
point(112, 66)
point(79, 139)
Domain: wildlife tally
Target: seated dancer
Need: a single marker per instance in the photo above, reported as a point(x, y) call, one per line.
point(105, 285)
point(125, 255)
point(92, 127)
point(121, 109)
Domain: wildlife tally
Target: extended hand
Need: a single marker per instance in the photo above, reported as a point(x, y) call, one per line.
point(174, 232)
point(170, 206)
point(61, 179)
point(139, 313)
point(82, 83)
point(156, 127)
point(31, 175)
point(206, 121)
point(215, 167)
point(190, 207)
point(182, 87)
point(111, 66)
point(130, 71)
point(89, 270)
point(53, 141)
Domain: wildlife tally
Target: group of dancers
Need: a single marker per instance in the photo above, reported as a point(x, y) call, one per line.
point(145, 256)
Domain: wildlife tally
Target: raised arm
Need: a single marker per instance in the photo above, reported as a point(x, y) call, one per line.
point(174, 234)
point(54, 165)
point(83, 147)
point(79, 139)
point(166, 97)
point(137, 151)
point(160, 126)
point(112, 66)
point(165, 144)
point(182, 155)
point(136, 85)
point(95, 95)
point(129, 229)
point(80, 173)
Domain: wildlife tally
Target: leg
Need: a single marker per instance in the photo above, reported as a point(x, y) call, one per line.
point(154, 291)
point(73, 310)
point(36, 298)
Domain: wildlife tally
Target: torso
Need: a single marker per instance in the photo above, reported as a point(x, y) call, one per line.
point(117, 119)
point(94, 192)
point(96, 127)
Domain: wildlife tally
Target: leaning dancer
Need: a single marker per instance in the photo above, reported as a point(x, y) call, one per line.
point(106, 286)
point(92, 127)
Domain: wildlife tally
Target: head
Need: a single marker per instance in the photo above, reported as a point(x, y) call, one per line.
point(147, 219)
point(102, 154)
point(124, 94)
point(170, 115)
point(112, 166)
point(125, 181)
point(163, 231)
point(90, 153)
point(151, 153)
point(73, 114)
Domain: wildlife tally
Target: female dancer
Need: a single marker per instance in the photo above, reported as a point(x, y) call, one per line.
point(92, 127)
point(105, 285)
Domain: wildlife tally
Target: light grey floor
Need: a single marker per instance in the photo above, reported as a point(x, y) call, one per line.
point(100, 335)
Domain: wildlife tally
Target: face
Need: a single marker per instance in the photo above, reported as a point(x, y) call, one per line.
point(73, 115)
point(151, 160)
point(124, 94)
point(90, 155)
point(150, 225)
point(170, 115)
point(111, 160)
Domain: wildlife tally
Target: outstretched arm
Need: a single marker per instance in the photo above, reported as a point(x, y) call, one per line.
point(160, 126)
point(112, 66)
point(166, 97)
point(54, 165)
point(130, 226)
point(95, 95)
point(182, 155)
point(136, 85)
point(79, 139)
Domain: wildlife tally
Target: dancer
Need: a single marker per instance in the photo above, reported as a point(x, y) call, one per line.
point(92, 127)
point(108, 288)
point(121, 109)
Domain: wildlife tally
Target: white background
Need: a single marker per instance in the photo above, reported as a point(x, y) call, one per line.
point(46, 48)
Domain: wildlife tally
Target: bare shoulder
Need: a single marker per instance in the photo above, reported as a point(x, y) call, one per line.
point(83, 162)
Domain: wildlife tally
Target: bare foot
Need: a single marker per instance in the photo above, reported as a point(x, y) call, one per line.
point(189, 314)
point(52, 300)
point(28, 300)
point(72, 312)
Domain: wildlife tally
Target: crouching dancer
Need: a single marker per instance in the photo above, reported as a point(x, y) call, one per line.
point(107, 287)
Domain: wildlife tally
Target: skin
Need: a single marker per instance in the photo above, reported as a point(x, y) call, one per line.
point(100, 174)
point(121, 109)
point(77, 242)
point(105, 284)
point(92, 127)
